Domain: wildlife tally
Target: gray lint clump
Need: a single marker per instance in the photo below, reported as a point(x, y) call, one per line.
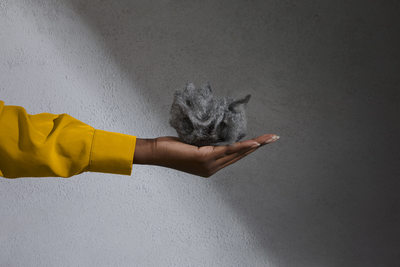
point(201, 119)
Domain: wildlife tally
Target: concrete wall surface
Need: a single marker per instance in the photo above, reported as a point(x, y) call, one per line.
point(324, 75)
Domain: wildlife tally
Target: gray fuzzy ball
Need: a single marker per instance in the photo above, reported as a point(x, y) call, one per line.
point(200, 119)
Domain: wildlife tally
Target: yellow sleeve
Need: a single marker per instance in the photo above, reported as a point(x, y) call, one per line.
point(59, 145)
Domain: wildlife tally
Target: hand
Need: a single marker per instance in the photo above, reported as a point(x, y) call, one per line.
point(204, 161)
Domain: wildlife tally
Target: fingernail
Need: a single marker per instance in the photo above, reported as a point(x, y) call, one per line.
point(272, 139)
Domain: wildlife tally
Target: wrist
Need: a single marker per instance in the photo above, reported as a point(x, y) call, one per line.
point(144, 151)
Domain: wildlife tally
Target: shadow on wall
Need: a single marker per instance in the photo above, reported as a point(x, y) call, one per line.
point(162, 44)
point(310, 214)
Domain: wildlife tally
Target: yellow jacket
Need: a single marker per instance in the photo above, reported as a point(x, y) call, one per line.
point(58, 145)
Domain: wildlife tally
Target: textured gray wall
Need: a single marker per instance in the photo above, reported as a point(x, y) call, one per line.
point(324, 75)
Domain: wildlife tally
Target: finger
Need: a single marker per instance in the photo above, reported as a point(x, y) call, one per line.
point(222, 151)
point(230, 159)
point(233, 160)
point(266, 138)
point(227, 158)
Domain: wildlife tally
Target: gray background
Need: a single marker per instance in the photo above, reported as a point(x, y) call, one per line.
point(324, 75)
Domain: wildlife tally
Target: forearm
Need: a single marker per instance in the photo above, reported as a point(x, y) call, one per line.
point(46, 144)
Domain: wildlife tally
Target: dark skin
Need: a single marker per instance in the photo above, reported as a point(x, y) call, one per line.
point(168, 151)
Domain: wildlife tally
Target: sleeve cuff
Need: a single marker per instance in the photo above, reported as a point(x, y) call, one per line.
point(112, 152)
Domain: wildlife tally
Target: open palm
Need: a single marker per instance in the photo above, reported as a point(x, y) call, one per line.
point(204, 161)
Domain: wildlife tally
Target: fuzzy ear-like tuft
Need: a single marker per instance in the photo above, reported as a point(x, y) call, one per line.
point(190, 86)
point(237, 103)
point(208, 87)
